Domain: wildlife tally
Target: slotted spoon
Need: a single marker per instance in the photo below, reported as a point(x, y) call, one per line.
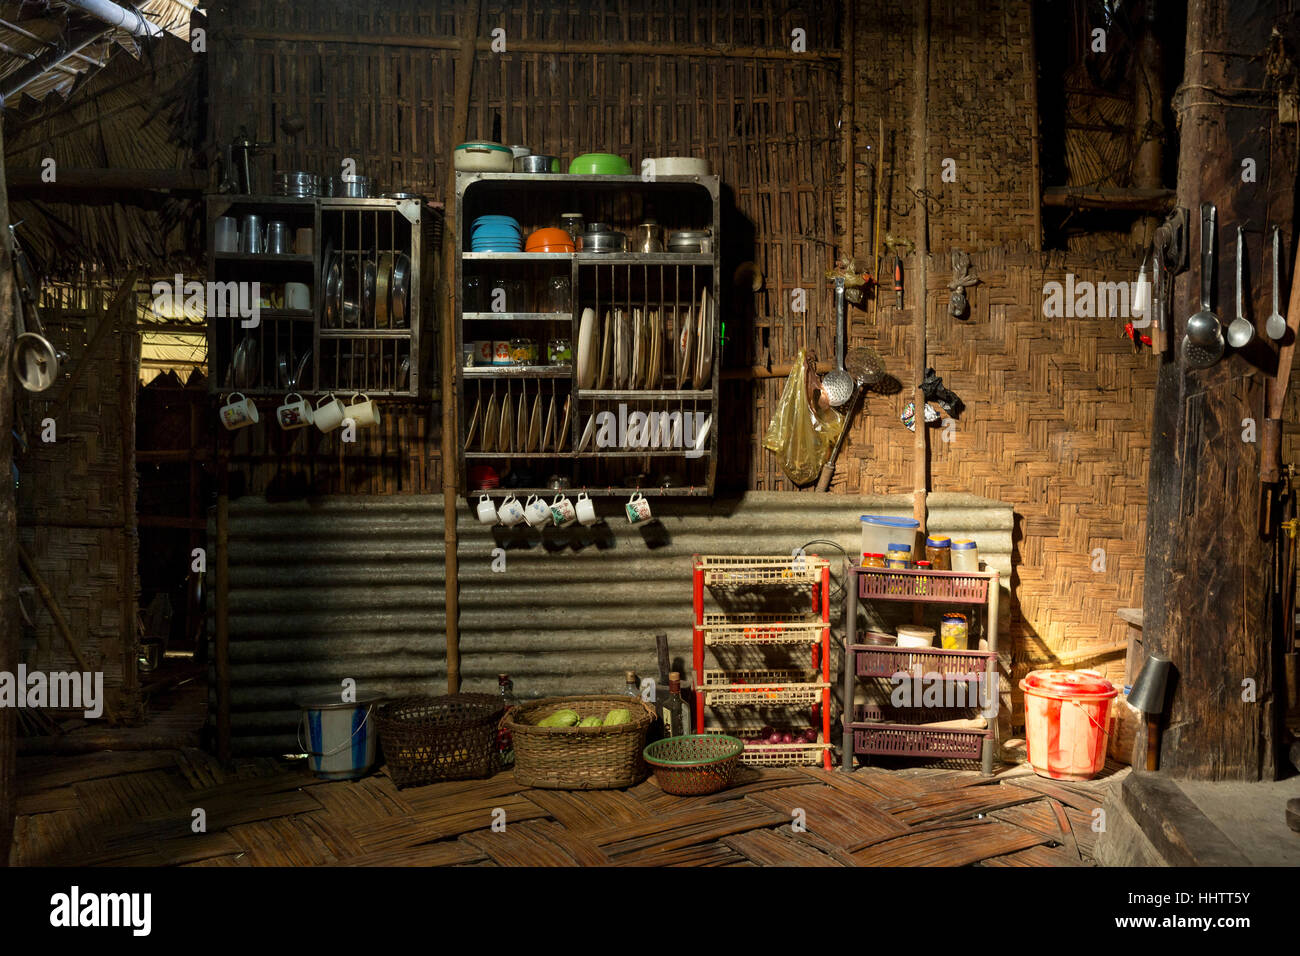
point(837, 384)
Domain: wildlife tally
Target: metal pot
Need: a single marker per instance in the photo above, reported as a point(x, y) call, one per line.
point(604, 242)
point(535, 163)
point(358, 187)
point(297, 183)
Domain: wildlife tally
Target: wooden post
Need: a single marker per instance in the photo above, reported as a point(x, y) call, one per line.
point(221, 650)
point(1206, 601)
point(8, 528)
point(1148, 119)
point(920, 140)
point(450, 360)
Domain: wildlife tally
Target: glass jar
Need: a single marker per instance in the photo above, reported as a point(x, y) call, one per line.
point(953, 631)
point(572, 223)
point(920, 580)
point(899, 556)
point(965, 555)
point(473, 294)
point(938, 550)
point(523, 352)
point(870, 560)
point(555, 294)
point(558, 352)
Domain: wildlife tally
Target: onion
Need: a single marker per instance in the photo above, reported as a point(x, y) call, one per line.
point(766, 732)
point(784, 739)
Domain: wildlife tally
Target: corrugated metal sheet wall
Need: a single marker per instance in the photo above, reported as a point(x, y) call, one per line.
point(353, 587)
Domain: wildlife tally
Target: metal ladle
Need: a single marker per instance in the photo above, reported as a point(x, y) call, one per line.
point(1241, 330)
point(837, 384)
point(1275, 324)
point(1203, 327)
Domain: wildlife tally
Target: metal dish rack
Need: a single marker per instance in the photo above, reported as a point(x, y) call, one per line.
point(739, 691)
point(873, 729)
point(642, 413)
point(379, 347)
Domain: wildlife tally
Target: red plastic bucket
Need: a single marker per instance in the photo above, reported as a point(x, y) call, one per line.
point(1067, 717)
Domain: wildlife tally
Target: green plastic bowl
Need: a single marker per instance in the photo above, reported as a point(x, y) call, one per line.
point(599, 164)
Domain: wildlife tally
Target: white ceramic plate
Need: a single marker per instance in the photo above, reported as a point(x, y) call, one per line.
point(606, 338)
point(702, 439)
point(521, 424)
point(562, 438)
point(535, 425)
point(506, 434)
point(586, 362)
point(490, 424)
point(587, 433)
point(472, 427)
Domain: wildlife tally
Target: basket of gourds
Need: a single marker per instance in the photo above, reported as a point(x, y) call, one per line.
point(590, 742)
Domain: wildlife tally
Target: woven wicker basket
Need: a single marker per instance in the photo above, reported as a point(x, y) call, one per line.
point(426, 739)
point(580, 758)
point(695, 764)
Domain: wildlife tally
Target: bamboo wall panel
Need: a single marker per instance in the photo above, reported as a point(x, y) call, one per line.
point(77, 509)
point(767, 124)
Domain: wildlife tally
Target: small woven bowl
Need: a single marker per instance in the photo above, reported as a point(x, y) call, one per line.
point(695, 764)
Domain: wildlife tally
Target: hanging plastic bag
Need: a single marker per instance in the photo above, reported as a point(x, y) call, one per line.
point(800, 434)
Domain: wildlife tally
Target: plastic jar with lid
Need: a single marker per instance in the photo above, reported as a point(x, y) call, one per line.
point(954, 630)
point(965, 555)
point(899, 556)
point(938, 551)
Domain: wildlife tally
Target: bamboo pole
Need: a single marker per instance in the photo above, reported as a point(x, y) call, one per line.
point(724, 51)
point(920, 138)
point(450, 364)
point(849, 110)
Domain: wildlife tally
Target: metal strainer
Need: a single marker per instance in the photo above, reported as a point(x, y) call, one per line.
point(1202, 356)
point(865, 365)
point(837, 384)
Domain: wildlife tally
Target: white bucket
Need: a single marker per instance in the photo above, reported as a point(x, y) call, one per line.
point(340, 739)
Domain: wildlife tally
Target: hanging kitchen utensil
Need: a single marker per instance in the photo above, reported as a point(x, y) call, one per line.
point(1203, 327)
point(865, 365)
point(35, 359)
point(837, 384)
point(898, 281)
point(1240, 331)
point(1275, 325)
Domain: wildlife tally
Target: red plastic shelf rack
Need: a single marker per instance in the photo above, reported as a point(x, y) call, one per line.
point(720, 687)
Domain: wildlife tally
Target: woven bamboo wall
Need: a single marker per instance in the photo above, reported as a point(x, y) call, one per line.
point(1058, 410)
point(766, 122)
point(76, 504)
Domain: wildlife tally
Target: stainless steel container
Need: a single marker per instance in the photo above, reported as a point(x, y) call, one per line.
point(604, 242)
point(358, 187)
point(252, 238)
point(278, 242)
point(297, 184)
point(534, 163)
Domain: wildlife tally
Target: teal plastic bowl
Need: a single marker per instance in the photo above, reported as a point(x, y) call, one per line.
point(599, 164)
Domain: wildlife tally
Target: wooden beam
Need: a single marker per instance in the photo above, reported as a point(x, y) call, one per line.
point(1123, 200)
point(724, 51)
point(30, 178)
point(9, 617)
point(920, 147)
point(450, 360)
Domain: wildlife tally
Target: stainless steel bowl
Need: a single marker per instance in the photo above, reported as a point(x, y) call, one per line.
point(604, 242)
point(534, 163)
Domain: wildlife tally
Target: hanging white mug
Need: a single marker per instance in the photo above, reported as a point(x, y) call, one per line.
point(537, 512)
point(562, 511)
point(294, 414)
point(328, 414)
point(586, 510)
point(511, 511)
point(239, 414)
point(638, 509)
point(364, 412)
point(297, 295)
point(487, 511)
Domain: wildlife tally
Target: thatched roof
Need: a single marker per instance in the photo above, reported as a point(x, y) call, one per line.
point(140, 113)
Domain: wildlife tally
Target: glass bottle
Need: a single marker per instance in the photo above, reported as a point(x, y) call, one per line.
point(674, 712)
point(505, 742)
point(631, 688)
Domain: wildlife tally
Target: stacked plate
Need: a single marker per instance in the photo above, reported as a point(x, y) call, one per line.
point(496, 234)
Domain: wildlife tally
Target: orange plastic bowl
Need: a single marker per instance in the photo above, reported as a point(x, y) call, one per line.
point(566, 248)
point(550, 237)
